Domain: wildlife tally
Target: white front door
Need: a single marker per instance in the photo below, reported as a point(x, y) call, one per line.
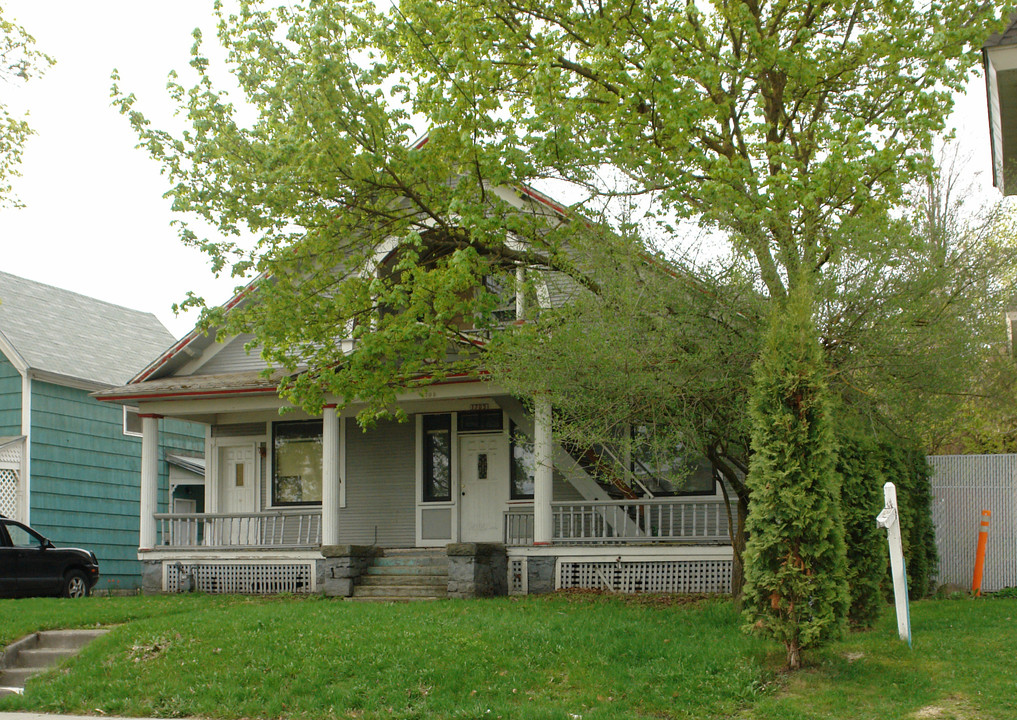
point(238, 492)
point(484, 486)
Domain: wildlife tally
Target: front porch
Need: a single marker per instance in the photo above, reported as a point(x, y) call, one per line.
point(648, 545)
point(295, 503)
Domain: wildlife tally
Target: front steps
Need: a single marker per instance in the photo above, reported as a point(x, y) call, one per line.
point(404, 575)
point(38, 652)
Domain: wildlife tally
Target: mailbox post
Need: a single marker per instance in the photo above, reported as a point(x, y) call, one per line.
point(889, 518)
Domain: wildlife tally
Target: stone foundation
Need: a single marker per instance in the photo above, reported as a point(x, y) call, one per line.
point(477, 570)
point(341, 566)
point(151, 577)
point(540, 574)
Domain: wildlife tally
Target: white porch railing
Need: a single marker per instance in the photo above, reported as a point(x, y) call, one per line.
point(604, 521)
point(280, 529)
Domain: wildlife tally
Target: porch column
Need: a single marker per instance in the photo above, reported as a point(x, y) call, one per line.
point(149, 480)
point(543, 521)
point(330, 476)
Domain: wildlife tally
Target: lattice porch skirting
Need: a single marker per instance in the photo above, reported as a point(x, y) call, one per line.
point(671, 576)
point(8, 492)
point(243, 578)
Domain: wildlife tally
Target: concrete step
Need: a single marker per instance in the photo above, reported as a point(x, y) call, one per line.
point(42, 657)
point(399, 591)
point(391, 599)
point(435, 580)
point(73, 639)
point(17, 677)
point(407, 570)
point(410, 560)
point(392, 552)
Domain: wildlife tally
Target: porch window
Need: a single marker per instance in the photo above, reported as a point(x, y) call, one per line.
point(523, 466)
point(437, 458)
point(296, 463)
point(132, 421)
point(668, 469)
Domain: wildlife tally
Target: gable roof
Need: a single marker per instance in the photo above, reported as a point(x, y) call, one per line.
point(70, 336)
point(199, 339)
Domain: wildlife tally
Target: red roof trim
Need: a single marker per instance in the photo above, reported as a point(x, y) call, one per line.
point(544, 200)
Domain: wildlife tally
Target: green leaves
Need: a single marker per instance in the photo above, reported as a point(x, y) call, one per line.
point(19, 60)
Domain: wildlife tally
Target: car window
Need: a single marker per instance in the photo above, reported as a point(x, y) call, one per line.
point(21, 538)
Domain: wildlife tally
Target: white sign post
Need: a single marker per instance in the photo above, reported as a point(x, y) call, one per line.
point(889, 518)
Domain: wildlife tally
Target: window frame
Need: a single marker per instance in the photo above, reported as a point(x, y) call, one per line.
point(274, 467)
point(712, 492)
point(427, 484)
point(514, 494)
point(131, 410)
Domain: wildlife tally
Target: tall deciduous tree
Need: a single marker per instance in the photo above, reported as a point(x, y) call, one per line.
point(19, 60)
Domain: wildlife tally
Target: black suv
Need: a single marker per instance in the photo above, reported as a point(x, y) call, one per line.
point(30, 565)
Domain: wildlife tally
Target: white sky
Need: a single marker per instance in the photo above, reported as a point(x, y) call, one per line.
point(95, 221)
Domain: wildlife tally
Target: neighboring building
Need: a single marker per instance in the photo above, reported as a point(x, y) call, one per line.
point(999, 57)
point(305, 504)
point(68, 463)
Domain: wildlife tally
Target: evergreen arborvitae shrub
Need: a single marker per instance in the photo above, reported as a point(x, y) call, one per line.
point(795, 587)
point(859, 463)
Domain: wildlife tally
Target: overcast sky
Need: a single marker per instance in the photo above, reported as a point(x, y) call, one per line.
point(95, 221)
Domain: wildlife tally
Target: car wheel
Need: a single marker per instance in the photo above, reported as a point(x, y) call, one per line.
point(75, 584)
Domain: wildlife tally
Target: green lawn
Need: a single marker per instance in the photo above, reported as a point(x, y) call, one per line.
point(561, 657)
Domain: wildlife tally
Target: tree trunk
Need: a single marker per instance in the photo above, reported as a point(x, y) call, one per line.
point(736, 520)
point(794, 655)
point(738, 549)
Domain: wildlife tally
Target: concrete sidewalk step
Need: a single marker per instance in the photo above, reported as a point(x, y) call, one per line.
point(38, 652)
point(74, 639)
point(43, 657)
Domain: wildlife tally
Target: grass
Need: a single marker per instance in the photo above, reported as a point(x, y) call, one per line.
point(567, 657)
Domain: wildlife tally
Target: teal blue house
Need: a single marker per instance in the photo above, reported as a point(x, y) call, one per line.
point(69, 465)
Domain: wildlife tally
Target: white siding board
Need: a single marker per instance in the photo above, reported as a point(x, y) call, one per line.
point(232, 358)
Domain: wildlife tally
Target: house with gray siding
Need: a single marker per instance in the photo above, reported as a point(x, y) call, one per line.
point(68, 463)
point(470, 496)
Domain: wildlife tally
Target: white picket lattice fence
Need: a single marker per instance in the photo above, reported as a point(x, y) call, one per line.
point(963, 486)
point(10, 465)
point(8, 492)
point(678, 576)
point(243, 578)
